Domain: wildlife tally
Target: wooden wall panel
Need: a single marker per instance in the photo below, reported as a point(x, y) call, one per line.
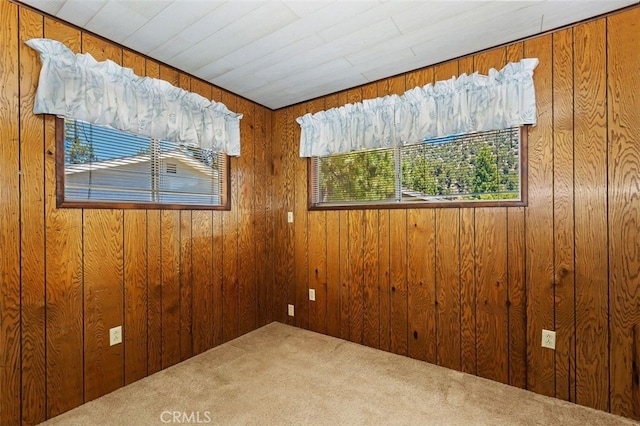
point(565, 262)
point(247, 297)
point(591, 262)
point(318, 271)
point(154, 292)
point(563, 213)
point(398, 281)
point(170, 284)
point(492, 335)
point(421, 289)
point(261, 213)
point(371, 302)
point(300, 284)
point(355, 275)
point(623, 123)
point(186, 283)
point(516, 278)
point(203, 281)
point(384, 277)
point(230, 248)
point(447, 270)
point(32, 237)
point(103, 301)
point(69, 275)
point(343, 268)
point(516, 298)
point(135, 295)
point(539, 224)
point(289, 158)
point(64, 275)
point(333, 274)
point(9, 220)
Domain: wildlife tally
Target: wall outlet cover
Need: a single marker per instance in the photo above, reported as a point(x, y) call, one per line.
point(115, 335)
point(290, 310)
point(549, 339)
point(312, 294)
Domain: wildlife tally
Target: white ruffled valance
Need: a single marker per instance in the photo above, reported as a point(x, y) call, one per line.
point(77, 86)
point(469, 103)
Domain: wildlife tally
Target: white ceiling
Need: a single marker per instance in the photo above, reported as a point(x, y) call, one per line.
point(280, 52)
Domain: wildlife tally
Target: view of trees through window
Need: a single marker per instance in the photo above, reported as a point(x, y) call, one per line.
point(479, 166)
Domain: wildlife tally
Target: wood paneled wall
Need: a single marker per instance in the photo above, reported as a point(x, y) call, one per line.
point(469, 289)
point(472, 288)
point(179, 282)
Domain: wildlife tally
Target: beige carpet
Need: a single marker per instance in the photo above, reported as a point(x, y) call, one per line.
point(283, 375)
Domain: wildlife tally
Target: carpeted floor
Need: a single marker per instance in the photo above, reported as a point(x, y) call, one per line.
point(280, 375)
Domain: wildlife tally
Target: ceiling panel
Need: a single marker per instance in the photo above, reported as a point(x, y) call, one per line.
point(281, 52)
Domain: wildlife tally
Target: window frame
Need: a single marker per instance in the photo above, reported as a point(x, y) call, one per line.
point(225, 199)
point(522, 202)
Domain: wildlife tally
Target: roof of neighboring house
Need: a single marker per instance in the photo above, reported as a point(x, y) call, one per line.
point(175, 154)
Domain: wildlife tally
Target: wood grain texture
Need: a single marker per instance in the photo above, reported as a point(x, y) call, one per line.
point(135, 296)
point(468, 291)
point(279, 166)
point(343, 265)
point(592, 304)
point(517, 298)
point(170, 282)
point(186, 286)
point(217, 279)
point(300, 224)
point(230, 250)
point(516, 277)
point(203, 282)
point(623, 122)
point(333, 274)
point(356, 275)
point(261, 181)
point(371, 302)
point(32, 238)
point(421, 290)
point(247, 297)
point(103, 301)
point(398, 281)
point(447, 269)
point(64, 277)
point(10, 359)
point(318, 270)
point(289, 158)
point(492, 331)
point(539, 224)
point(563, 213)
point(384, 276)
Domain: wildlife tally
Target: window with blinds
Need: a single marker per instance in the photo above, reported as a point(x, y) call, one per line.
point(485, 168)
point(104, 167)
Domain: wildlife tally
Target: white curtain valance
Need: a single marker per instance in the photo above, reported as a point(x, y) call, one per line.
point(77, 86)
point(469, 103)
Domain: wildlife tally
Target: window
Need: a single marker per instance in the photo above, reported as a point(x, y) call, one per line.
point(102, 167)
point(479, 169)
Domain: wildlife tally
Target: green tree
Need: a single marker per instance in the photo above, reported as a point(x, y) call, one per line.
point(486, 172)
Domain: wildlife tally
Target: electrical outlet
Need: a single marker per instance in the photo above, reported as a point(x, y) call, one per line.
point(549, 339)
point(290, 217)
point(312, 294)
point(115, 335)
point(290, 310)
